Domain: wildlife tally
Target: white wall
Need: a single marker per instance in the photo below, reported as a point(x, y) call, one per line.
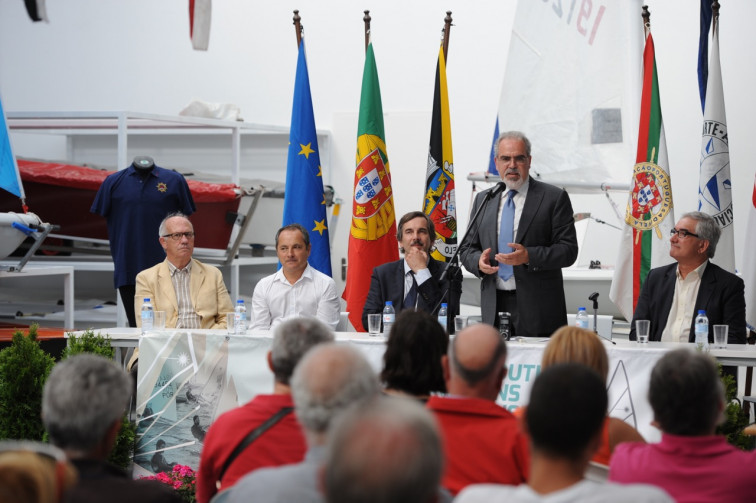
point(136, 55)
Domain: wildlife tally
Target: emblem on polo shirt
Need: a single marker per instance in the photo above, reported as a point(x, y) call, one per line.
point(162, 187)
point(651, 197)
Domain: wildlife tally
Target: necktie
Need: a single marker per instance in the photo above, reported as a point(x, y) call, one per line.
point(506, 233)
point(411, 298)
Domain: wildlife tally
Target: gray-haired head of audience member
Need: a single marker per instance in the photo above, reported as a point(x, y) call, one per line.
point(386, 451)
point(706, 228)
point(84, 398)
point(328, 380)
point(686, 394)
point(567, 409)
point(291, 340)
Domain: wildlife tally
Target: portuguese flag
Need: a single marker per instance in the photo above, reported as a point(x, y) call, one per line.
point(649, 216)
point(372, 235)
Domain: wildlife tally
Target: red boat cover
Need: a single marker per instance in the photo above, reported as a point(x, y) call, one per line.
point(82, 177)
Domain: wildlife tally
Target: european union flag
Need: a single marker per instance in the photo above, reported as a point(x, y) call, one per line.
point(304, 202)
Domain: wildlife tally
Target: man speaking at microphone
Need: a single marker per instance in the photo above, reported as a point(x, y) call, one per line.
point(524, 238)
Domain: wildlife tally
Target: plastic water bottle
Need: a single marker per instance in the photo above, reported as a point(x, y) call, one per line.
point(702, 331)
point(443, 315)
point(240, 317)
point(581, 320)
point(148, 315)
point(389, 316)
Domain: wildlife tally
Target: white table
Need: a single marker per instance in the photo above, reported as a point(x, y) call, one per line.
point(68, 285)
point(206, 372)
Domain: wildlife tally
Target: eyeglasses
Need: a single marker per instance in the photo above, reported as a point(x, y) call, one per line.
point(178, 235)
point(518, 159)
point(681, 233)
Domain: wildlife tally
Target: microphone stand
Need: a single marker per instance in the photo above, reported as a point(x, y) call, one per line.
point(453, 264)
point(594, 297)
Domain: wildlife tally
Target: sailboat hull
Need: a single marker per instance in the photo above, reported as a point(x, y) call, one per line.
point(11, 237)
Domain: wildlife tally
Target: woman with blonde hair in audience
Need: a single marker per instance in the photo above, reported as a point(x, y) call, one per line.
point(578, 345)
point(33, 472)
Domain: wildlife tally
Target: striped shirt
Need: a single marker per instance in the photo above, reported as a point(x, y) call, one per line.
point(181, 279)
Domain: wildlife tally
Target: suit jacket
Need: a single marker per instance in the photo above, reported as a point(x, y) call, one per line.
point(209, 295)
point(547, 230)
point(721, 295)
point(387, 283)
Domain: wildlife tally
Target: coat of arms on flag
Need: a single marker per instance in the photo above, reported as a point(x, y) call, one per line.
point(372, 192)
point(651, 197)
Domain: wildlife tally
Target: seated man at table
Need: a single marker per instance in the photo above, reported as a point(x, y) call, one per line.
point(564, 419)
point(280, 440)
point(191, 293)
point(414, 281)
point(673, 294)
point(482, 441)
point(692, 462)
point(296, 289)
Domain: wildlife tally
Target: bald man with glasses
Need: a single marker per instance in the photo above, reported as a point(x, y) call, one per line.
point(672, 295)
point(191, 293)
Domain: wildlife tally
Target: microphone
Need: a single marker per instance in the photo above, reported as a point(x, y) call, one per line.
point(498, 189)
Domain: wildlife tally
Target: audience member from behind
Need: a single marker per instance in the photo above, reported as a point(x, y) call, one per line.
point(482, 441)
point(83, 403)
point(327, 381)
point(578, 345)
point(564, 420)
point(388, 451)
point(691, 462)
point(412, 361)
point(33, 472)
point(282, 442)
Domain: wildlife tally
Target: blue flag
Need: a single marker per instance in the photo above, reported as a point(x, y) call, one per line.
point(304, 202)
point(492, 158)
point(703, 50)
point(9, 179)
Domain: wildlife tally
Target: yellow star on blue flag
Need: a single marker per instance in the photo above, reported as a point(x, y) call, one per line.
point(304, 183)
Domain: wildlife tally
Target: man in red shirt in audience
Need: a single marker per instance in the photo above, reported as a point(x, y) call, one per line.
point(282, 442)
point(482, 441)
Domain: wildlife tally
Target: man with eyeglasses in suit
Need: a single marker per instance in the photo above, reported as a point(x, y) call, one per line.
point(673, 294)
point(191, 293)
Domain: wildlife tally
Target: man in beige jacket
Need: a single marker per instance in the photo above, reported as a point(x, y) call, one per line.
point(191, 293)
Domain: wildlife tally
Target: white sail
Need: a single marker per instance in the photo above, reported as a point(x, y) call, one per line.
point(572, 85)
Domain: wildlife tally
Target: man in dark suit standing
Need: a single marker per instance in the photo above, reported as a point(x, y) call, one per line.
point(673, 294)
point(522, 276)
point(412, 282)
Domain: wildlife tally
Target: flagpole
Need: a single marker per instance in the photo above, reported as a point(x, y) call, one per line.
point(646, 21)
point(367, 19)
point(298, 27)
point(447, 31)
point(715, 15)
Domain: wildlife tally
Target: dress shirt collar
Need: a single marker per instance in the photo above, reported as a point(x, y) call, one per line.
point(521, 192)
point(172, 268)
point(307, 273)
point(697, 273)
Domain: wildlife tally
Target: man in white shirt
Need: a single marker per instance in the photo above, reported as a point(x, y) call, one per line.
point(564, 421)
point(672, 295)
point(296, 289)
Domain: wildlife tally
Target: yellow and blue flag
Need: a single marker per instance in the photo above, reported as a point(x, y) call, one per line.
point(304, 202)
